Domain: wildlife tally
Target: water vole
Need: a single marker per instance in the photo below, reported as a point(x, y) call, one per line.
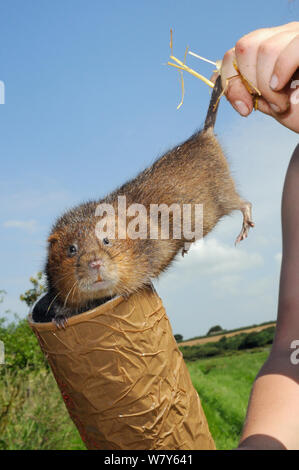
point(84, 269)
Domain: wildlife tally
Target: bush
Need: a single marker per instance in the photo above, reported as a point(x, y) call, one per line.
point(208, 350)
point(192, 353)
point(33, 414)
point(257, 339)
point(178, 338)
point(232, 343)
point(214, 329)
point(21, 346)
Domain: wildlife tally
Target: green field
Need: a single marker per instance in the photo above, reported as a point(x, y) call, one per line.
point(224, 385)
point(33, 415)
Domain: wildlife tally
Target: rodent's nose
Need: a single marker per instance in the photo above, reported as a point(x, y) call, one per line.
point(95, 264)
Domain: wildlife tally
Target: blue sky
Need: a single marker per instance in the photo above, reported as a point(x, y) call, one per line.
point(89, 102)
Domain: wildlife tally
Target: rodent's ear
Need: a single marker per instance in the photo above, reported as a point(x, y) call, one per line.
point(53, 238)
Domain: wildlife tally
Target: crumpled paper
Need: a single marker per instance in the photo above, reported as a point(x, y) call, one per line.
point(123, 379)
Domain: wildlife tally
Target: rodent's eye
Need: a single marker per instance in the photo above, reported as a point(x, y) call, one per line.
point(72, 250)
point(106, 241)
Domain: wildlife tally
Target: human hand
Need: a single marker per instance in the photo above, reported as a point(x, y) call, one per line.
point(269, 59)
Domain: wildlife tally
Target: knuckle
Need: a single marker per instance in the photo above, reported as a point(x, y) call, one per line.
point(293, 25)
point(242, 45)
point(267, 48)
point(228, 54)
point(278, 103)
point(284, 105)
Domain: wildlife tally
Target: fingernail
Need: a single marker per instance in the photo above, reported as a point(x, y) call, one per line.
point(274, 107)
point(274, 82)
point(241, 107)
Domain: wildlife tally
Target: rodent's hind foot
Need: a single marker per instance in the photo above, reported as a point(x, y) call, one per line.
point(186, 249)
point(247, 222)
point(60, 321)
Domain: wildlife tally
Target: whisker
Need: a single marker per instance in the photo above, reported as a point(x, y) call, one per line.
point(61, 278)
point(65, 301)
point(53, 301)
point(75, 290)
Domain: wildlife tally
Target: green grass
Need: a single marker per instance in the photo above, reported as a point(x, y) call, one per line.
point(33, 415)
point(223, 384)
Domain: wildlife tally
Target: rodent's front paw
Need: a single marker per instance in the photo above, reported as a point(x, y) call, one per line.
point(60, 321)
point(60, 317)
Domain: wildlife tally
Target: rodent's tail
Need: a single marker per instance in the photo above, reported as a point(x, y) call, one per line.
point(212, 111)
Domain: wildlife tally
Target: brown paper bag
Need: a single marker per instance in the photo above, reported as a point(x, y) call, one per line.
point(123, 378)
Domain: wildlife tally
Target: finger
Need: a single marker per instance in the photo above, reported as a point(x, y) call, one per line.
point(227, 69)
point(268, 52)
point(293, 90)
point(285, 65)
point(235, 90)
point(239, 96)
point(264, 107)
point(246, 51)
point(288, 119)
point(214, 77)
point(293, 26)
point(246, 48)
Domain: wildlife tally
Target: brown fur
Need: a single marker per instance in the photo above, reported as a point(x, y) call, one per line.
point(195, 172)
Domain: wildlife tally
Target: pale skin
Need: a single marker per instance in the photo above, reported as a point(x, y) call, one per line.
point(269, 59)
point(272, 420)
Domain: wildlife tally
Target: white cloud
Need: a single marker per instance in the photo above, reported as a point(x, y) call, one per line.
point(215, 257)
point(27, 225)
point(32, 200)
point(211, 267)
point(229, 284)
